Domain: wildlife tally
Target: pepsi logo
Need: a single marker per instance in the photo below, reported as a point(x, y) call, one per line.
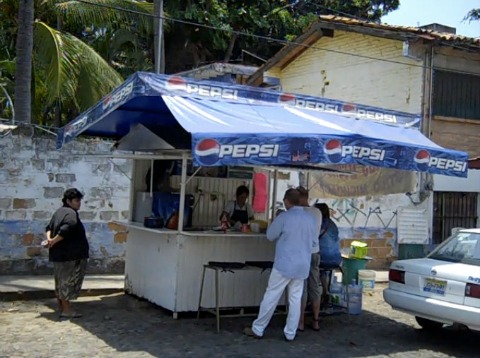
point(349, 107)
point(106, 100)
point(176, 83)
point(422, 159)
point(287, 98)
point(333, 150)
point(208, 151)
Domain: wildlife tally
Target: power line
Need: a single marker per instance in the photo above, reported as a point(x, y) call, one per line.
point(268, 38)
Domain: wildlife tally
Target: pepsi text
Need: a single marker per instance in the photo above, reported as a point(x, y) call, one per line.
point(210, 91)
point(118, 96)
point(360, 113)
point(248, 150)
point(363, 152)
point(442, 163)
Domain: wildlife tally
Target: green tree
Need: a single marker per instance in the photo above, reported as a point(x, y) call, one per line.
point(66, 73)
point(190, 46)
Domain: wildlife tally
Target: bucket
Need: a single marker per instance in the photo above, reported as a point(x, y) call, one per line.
point(366, 279)
point(350, 268)
point(355, 301)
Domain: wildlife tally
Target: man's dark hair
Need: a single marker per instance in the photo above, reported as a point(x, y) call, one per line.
point(242, 189)
point(303, 192)
point(293, 196)
point(70, 194)
point(324, 209)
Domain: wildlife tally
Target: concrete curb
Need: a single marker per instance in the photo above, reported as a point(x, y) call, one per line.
point(45, 294)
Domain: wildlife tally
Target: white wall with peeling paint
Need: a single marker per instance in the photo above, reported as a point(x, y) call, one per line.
point(33, 177)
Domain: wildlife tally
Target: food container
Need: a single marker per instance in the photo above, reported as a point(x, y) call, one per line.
point(153, 222)
point(358, 249)
point(255, 227)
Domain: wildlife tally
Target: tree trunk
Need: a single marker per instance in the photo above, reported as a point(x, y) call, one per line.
point(229, 52)
point(23, 70)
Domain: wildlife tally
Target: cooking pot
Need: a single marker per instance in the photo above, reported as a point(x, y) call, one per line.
point(153, 222)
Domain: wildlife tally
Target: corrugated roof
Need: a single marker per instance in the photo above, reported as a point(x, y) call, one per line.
point(420, 32)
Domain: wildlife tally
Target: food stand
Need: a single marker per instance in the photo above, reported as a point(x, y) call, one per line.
point(198, 124)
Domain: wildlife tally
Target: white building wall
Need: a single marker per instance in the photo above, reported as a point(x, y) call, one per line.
point(330, 70)
point(33, 178)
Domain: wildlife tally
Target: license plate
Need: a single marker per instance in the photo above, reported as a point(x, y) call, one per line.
point(435, 286)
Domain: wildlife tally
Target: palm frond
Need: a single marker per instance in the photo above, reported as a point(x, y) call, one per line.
point(97, 78)
point(57, 58)
point(69, 64)
point(106, 13)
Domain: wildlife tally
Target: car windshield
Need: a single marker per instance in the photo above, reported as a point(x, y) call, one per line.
point(462, 247)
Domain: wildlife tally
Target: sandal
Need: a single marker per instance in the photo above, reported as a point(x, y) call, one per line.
point(315, 321)
point(72, 314)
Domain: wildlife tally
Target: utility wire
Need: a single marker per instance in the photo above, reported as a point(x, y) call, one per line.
point(271, 39)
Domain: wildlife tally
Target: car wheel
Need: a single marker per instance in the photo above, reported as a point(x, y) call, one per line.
point(428, 324)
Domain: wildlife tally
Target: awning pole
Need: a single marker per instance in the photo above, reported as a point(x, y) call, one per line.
point(274, 196)
point(151, 178)
point(183, 185)
point(269, 185)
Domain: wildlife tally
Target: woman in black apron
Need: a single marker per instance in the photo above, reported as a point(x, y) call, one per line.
point(239, 210)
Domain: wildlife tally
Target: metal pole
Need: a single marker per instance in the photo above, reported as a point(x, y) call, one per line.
point(158, 57)
point(274, 195)
point(183, 185)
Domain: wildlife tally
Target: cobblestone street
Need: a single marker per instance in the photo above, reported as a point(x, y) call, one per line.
point(119, 325)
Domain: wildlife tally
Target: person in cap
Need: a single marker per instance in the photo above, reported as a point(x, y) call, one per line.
point(293, 233)
point(311, 289)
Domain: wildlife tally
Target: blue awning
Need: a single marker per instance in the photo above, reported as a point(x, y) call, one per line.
point(239, 125)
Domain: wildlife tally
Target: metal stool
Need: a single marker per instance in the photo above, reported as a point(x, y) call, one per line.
point(217, 267)
point(229, 267)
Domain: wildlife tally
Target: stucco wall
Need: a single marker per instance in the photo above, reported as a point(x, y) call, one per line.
point(319, 72)
point(33, 177)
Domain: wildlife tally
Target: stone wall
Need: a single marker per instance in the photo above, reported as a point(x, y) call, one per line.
point(33, 177)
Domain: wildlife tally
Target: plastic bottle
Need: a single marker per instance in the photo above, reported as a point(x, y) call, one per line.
point(224, 223)
point(336, 292)
point(355, 302)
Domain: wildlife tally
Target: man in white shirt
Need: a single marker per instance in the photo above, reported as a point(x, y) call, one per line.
point(294, 234)
point(311, 288)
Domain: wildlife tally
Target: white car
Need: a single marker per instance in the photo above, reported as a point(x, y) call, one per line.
point(443, 288)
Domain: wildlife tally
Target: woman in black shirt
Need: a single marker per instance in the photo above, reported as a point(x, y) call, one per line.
point(68, 250)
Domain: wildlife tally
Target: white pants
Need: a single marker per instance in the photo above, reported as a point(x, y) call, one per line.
point(276, 285)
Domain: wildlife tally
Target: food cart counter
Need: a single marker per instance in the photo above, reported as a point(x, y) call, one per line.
point(165, 267)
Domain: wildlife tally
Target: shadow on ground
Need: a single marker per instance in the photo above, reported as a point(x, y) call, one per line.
point(130, 325)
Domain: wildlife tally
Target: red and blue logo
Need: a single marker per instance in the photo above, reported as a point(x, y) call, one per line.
point(333, 150)
point(176, 83)
point(208, 151)
point(287, 98)
point(422, 160)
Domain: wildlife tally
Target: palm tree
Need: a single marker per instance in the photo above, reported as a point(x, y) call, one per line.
point(23, 70)
point(68, 74)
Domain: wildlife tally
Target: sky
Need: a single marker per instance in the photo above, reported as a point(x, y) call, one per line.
point(445, 12)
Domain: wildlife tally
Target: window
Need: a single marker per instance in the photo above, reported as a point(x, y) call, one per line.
point(451, 210)
point(456, 95)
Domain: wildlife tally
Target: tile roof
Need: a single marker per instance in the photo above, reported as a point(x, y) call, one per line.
point(406, 30)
